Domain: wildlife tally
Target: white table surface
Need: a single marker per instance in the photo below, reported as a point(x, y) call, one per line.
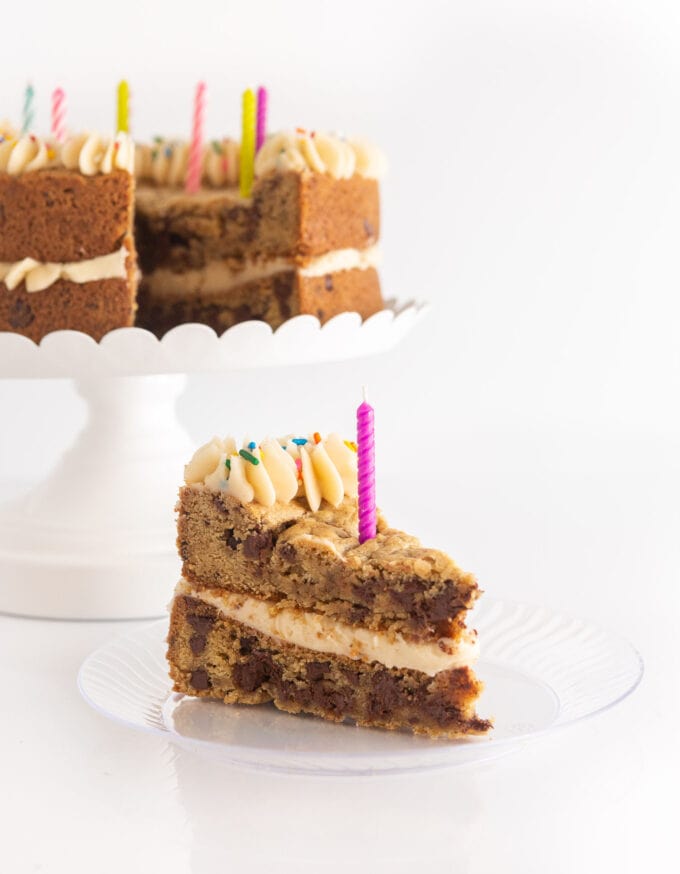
point(81, 793)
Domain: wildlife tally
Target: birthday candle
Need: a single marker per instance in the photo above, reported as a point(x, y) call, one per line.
point(247, 158)
point(366, 471)
point(193, 182)
point(123, 114)
point(261, 118)
point(28, 110)
point(59, 115)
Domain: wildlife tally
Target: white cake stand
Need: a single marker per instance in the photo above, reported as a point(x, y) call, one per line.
point(96, 538)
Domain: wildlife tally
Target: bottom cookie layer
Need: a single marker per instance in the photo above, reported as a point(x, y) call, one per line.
point(216, 657)
point(272, 299)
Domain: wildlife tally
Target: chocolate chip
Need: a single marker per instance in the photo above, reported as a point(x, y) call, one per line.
point(246, 645)
point(385, 694)
point(184, 550)
point(200, 680)
point(368, 227)
point(200, 624)
point(320, 313)
point(328, 282)
point(283, 289)
point(316, 670)
point(252, 673)
point(287, 552)
point(231, 541)
point(218, 503)
point(197, 643)
point(257, 545)
point(20, 314)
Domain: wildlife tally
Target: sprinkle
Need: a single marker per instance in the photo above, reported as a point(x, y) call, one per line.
point(350, 444)
point(298, 464)
point(252, 445)
point(50, 153)
point(116, 146)
point(227, 463)
point(317, 437)
point(154, 154)
point(300, 441)
point(248, 457)
point(300, 130)
point(168, 151)
point(216, 147)
point(158, 139)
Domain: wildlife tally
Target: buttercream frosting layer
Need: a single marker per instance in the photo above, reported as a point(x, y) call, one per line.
point(39, 276)
point(164, 162)
point(221, 275)
point(321, 634)
point(278, 470)
point(88, 153)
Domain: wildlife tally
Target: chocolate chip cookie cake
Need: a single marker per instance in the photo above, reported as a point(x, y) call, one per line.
point(279, 601)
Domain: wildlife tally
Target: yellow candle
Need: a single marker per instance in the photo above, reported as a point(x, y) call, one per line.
point(123, 121)
point(247, 158)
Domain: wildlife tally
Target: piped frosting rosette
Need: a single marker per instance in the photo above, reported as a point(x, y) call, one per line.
point(280, 469)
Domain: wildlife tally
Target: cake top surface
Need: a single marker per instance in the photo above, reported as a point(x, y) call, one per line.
point(165, 161)
point(87, 153)
point(282, 469)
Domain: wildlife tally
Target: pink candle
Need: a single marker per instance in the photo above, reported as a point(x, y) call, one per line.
point(366, 471)
point(59, 115)
point(193, 182)
point(261, 118)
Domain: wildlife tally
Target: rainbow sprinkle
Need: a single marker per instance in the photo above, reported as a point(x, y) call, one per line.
point(350, 444)
point(300, 441)
point(317, 437)
point(252, 445)
point(227, 463)
point(248, 456)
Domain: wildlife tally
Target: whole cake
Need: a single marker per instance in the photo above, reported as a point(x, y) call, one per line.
point(67, 255)
point(303, 241)
point(279, 602)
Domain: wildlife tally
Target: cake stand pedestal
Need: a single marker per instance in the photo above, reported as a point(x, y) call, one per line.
point(96, 538)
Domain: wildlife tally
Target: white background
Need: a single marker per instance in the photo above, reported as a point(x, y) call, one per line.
point(530, 425)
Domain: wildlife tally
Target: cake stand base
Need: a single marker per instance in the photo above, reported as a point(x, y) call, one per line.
point(96, 540)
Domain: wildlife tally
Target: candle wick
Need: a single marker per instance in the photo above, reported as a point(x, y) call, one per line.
point(363, 391)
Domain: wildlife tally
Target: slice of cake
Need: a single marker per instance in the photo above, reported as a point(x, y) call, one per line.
point(279, 602)
point(305, 241)
point(67, 257)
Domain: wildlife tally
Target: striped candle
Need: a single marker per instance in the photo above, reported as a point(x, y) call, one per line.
point(28, 112)
point(193, 182)
point(123, 108)
point(58, 125)
point(261, 118)
point(366, 471)
point(247, 157)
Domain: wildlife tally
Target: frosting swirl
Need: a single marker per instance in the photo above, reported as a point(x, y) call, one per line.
point(320, 153)
point(24, 155)
point(91, 154)
point(277, 470)
point(165, 162)
point(88, 153)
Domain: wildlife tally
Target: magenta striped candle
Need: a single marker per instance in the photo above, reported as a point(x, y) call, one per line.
point(58, 125)
point(261, 118)
point(366, 471)
point(195, 165)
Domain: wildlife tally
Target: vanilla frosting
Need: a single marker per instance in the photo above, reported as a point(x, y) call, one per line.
point(88, 153)
point(164, 162)
point(40, 275)
point(321, 153)
point(277, 470)
point(322, 634)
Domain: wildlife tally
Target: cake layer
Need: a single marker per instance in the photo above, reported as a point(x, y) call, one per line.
point(289, 214)
point(272, 298)
point(60, 215)
point(315, 561)
point(94, 307)
point(212, 655)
